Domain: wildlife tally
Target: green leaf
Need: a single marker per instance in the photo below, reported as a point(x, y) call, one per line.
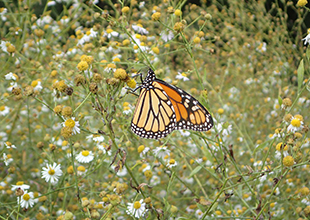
point(196, 170)
point(280, 100)
point(308, 53)
point(300, 74)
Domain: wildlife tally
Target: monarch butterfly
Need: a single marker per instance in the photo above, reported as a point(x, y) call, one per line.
point(162, 108)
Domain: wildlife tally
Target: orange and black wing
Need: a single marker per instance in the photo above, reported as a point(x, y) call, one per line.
point(190, 114)
point(154, 114)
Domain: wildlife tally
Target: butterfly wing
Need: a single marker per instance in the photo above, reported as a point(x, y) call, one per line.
point(162, 108)
point(189, 113)
point(154, 115)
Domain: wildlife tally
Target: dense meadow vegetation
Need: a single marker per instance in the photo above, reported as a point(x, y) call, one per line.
point(68, 71)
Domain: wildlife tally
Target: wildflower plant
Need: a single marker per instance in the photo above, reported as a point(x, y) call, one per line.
point(67, 78)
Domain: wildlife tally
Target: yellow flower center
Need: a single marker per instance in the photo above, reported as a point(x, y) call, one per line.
point(141, 148)
point(83, 65)
point(51, 172)
point(34, 83)
point(278, 130)
point(184, 74)
point(280, 146)
point(172, 161)
point(299, 117)
point(2, 108)
point(178, 12)
point(109, 30)
point(220, 111)
point(295, 122)
point(85, 153)
point(116, 59)
point(131, 83)
point(70, 123)
point(148, 174)
point(155, 50)
point(137, 205)
point(81, 169)
point(26, 197)
point(111, 65)
point(19, 183)
point(301, 3)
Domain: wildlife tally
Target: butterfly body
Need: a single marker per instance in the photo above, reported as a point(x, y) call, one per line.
point(162, 108)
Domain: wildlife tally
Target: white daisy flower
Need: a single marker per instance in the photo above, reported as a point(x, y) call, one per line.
point(71, 123)
point(225, 129)
point(7, 160)
point(26, 200)
point(166, 36)
point(51, 173)
point(155, 180)
point(12, 85)
point(199, 214)
point(110, 33)
point(87, 37)
point(307, 38)
point(9, 145)
point(139, 29)
point(38, 87)
point(171, 163)
point(141, 4)
point(3, 46)
point(305, 201)
point(136, 209)
point(295, 125)
point(182, 76)
point(122, 172)
point(10, 76)
point(127, 110)
point(104, 147)
point(22, 186)
point(85, 156)
point(144, 151)
point(161, 152)
point(278, 154)
point(147, 167)
point(96, 138)
point(51, 3)
point(262, 47)
point(124, 91)
point(2, 14)
point(185, 133)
